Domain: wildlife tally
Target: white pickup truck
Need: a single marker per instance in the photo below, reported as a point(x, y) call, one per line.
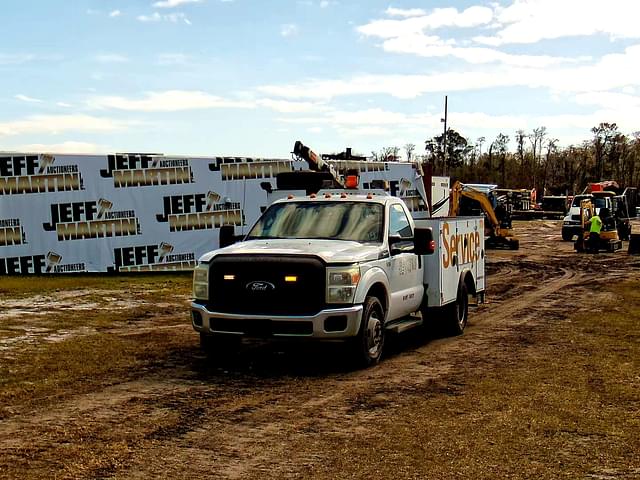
point(339, 265)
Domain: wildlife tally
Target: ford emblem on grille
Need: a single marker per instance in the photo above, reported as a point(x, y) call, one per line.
point(259, 286)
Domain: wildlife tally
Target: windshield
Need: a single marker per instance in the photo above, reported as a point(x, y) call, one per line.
point(356, 221)
point(578, 199)
point(600, 202)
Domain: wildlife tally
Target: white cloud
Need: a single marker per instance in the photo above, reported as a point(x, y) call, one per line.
point(171, 17)
point(111, 58)
point(526, 21)
point(172, 59)
point(115, 13)
point(284, 106)
point(169, 101)
point(64, 104)
point(439, 18)
point(64, 147)
point(56, 124)
point(27, 99)
point(173, 3)
point(289, 30)
point(15, 58)
point(608, 100)
point(611, 72)
point(410, 12)
point(181, 100)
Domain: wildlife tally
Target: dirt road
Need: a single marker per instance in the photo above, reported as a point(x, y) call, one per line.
point(434, 408)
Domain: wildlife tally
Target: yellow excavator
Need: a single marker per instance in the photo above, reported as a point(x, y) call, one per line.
point(498, 232)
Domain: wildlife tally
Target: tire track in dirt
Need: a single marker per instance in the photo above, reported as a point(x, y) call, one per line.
point(337, 405)
point(230, 422)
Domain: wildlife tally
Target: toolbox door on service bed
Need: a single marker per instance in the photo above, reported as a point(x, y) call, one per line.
point(459, 249)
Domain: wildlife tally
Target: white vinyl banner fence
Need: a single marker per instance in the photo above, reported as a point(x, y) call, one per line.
point(138, 212)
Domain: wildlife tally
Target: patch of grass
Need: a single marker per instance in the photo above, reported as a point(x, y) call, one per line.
point(564, 404)
point(53, 371)
point(37, 284)
point(40, 371)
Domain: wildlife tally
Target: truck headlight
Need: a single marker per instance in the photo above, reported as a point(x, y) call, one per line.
point(201, 282)
point(342, 283)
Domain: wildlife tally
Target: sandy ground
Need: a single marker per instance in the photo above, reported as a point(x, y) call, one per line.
point(274, 412)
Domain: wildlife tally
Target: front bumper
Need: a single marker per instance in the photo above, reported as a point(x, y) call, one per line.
point(337, 323)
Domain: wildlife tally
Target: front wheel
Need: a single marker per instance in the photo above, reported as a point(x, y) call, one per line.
point(368, 344)
point(457, 313)
point(567, 236)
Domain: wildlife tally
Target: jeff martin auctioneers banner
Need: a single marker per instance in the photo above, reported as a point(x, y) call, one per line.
point(138, 212)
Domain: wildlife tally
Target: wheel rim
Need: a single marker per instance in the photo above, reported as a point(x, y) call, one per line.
point(374, 335)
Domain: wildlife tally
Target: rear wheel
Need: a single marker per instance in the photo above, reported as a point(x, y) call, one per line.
point(457, 313)
point(369, 343)
point(567, 236)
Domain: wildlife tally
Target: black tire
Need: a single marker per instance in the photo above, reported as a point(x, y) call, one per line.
point(624, 231)
point(368, 344)
point(219, 346)
point(567, 236)
point(457, 313)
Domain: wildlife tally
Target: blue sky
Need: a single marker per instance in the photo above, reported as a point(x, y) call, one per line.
point(249, 77)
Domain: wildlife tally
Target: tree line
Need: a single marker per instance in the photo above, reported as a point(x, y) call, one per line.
point(537, 162)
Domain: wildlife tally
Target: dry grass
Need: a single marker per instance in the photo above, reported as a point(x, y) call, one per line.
point(80, 346)
point(559, 399)
point(564, 403)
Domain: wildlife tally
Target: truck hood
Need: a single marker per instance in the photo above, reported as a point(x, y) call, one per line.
point(331, 251)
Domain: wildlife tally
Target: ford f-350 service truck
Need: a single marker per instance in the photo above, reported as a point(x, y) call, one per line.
point(340, 265)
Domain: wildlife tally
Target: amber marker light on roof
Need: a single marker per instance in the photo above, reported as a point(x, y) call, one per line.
point(229, 277)
point(290, 278)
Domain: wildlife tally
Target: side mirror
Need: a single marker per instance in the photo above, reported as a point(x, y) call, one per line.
point(424, 242)
point(398, 244)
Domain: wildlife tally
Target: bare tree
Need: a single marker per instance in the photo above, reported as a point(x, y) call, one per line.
point(536, 138)
point(409, 148)
point(389, 154)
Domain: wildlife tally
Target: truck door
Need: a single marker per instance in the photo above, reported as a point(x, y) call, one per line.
point(405, 277)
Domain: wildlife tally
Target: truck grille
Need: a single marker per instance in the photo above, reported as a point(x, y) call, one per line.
point(255, 285)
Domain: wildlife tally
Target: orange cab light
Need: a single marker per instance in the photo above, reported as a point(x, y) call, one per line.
point(343, 195)
point(229, 277)
point(313, 195)
point(290, 278)
point(369, 196)
point(327, 195)
point(351, 181)
point(289, 197)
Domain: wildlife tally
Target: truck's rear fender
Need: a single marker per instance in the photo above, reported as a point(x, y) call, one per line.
point(374, 282)
point(469, 281)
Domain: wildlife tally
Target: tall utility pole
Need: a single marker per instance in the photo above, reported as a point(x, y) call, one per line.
point(444, 143)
